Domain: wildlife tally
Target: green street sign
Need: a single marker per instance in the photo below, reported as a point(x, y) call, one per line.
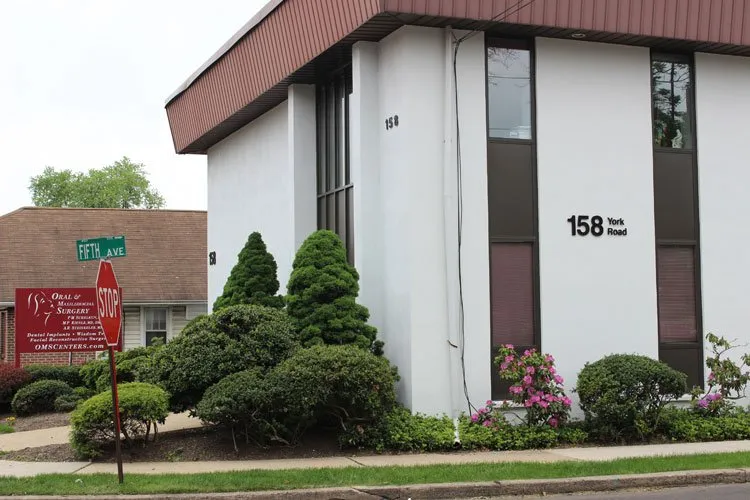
point(101, 248)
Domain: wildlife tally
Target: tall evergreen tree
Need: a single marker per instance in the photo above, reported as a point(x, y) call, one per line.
point(253, 279)
point(322, 293)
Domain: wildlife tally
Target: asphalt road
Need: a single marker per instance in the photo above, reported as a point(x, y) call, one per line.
point(720, 492)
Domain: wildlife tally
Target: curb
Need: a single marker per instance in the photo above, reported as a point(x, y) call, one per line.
point(460, 490)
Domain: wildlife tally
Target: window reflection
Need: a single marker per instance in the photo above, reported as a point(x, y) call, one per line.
point(509, 93)
point(670, 98)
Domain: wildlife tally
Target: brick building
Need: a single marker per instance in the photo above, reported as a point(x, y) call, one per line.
point(163, 276)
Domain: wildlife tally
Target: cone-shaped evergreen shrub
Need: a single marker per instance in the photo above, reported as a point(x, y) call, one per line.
point(322, 293)
point(253, 279)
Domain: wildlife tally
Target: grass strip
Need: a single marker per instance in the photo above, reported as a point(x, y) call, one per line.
point(6, 428)
point(256, 480)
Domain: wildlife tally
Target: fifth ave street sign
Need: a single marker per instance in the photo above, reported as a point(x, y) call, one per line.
point(101, 248)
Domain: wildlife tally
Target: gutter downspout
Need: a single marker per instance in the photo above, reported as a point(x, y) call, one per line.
point(450, 222)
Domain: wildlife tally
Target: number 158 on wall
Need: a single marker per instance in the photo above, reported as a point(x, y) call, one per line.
point(583, 225)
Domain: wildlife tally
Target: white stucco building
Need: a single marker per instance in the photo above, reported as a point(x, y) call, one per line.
point(569, 179)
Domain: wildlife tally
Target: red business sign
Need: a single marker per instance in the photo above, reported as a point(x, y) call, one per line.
point(58, 320)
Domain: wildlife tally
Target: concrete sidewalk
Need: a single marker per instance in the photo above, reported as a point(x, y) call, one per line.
point(19, 469)
point(59, 435)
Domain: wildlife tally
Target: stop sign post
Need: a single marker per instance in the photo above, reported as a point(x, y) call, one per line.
point(109, 309)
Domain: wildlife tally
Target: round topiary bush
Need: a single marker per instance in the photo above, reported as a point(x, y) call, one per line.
point(342, 385)
point(623, 395)
point(11, 379)
point(142, 406)
point(234, 339)
point(39, 397)
point(239, 402)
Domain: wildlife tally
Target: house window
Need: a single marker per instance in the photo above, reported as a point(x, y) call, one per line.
point(676, 216)
point(335, 189)
point(156, 324)
point(511, 176)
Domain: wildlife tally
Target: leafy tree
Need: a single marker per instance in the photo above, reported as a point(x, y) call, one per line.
point(123, 184)
point(322, 293)
point(253, 279)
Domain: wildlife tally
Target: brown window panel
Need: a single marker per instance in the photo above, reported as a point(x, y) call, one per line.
point(512, 293)
point(510, 177)
point(674, 196)
point(676, 291)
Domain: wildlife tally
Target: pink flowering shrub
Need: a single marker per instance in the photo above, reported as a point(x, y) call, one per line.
point(536, 385)
point(489, 417)
point(727, 380)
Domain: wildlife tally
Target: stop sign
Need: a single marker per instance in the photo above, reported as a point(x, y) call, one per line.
point(108, 302)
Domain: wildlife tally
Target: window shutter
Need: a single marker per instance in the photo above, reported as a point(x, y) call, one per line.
point(676, 288)
point(512, 292)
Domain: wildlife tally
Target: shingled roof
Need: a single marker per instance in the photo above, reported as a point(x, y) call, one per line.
point(166, 251)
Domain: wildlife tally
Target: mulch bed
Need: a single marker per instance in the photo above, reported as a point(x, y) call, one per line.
point(36, 422)
point(191, 445)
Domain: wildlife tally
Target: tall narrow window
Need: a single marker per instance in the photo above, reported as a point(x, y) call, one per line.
point(676, 215)
point(335, 189)
point(511, 173)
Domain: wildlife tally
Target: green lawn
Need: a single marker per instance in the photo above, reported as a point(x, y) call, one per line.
point(5, 428)
point(70, 484)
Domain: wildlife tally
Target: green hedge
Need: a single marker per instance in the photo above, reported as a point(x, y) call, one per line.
point(69, 374)
point(686, 425)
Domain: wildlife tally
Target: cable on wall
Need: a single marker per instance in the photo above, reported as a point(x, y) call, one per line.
point(459, 187)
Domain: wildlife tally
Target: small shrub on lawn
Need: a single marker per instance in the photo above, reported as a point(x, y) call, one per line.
point(686, 425)
point(727, 379)
point(322, 293)
point(342, 385)
point(238, 402)
point(623, 395)
point(536, 385)
point(403, 431)
point(11, 379)
point(68, 374)
point(234, 339)
point(253, 279)
point(39, 397)
point(142, 406)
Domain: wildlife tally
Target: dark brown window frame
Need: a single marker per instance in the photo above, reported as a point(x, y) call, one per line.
point(334, 187)
point(500, 387)
point(668, 349)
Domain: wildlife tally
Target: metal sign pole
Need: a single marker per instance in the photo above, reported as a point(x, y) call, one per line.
point(116, 409)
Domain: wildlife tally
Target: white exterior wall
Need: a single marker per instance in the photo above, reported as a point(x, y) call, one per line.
point(722, 106)
point(405, 211)
point(262, 178)
point(595, 157)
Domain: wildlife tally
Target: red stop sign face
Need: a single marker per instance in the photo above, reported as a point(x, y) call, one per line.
point(108, 302)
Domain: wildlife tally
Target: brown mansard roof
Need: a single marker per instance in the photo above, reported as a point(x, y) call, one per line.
point(166, 251)
point(289, 40)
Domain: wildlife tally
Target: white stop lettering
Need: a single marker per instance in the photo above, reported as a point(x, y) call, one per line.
point(108, 302)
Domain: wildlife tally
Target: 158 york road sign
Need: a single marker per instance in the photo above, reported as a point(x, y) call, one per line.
point(101, 248)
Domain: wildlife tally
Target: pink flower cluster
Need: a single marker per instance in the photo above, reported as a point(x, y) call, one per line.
point(706, 400)
point(487, 416)
point(536, 385)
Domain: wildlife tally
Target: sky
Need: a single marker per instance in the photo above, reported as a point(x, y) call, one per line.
point(84, 82)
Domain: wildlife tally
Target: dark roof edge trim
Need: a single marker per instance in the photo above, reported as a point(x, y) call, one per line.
point(264, 12)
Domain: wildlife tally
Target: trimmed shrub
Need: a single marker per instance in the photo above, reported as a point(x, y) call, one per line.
point(322, 293)
point(237, 402)
point(253, 279)
point(131, 366)
point(401, 430)
point(623, 395)
point(505, 436)
point(11, 379)
point(69, 402)
point(342, 385)
point(684, 425)
point(39, 397)
point(142, 406)
point(68, 374)
point(231, 340)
